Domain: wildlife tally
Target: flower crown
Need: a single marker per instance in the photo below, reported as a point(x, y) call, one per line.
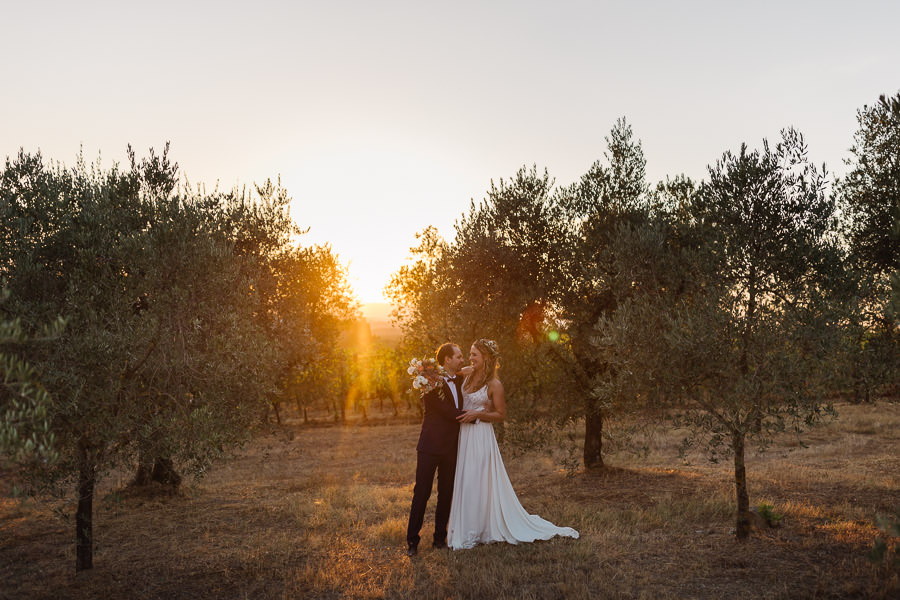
point(490, 345)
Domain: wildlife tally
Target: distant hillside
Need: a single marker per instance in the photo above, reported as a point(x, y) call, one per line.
point(377, 311)
point(377, 314)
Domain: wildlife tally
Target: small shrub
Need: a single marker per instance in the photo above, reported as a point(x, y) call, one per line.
point(886, 552)
point(767, 512)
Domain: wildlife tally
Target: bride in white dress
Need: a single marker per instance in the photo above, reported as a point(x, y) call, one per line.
point(485, 508)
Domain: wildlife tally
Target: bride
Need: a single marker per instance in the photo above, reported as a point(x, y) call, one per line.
point(485, 508)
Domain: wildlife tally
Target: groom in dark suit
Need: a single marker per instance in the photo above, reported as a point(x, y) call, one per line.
point(437, 451)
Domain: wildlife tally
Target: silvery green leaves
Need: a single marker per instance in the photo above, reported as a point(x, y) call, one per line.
point(25, 432)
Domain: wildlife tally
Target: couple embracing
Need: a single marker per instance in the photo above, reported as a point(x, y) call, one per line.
point(476, 503)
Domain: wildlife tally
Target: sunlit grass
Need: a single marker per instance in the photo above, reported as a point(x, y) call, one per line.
point(324, 514)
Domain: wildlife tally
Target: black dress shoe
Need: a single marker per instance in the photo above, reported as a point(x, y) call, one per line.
point(412, 550)
point(439, 545)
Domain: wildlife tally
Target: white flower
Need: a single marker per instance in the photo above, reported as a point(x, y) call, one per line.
point(422, 380)
point(411, 370)
point(413, 361)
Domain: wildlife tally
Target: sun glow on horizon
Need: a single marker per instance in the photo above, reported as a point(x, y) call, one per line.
point(367, 199)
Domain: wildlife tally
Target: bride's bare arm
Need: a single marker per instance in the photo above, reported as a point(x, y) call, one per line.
point(496, 412)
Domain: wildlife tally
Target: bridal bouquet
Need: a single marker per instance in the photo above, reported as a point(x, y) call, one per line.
point(426, 374)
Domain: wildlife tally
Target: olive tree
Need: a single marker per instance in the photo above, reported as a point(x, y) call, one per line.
point(181, 316)
point(871, 194)
point(493, 280)
point(535, 267)
point(739, 353)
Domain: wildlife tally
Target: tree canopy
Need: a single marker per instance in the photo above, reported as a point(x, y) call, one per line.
point(185, 311)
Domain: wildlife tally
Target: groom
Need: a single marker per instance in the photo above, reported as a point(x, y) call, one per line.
point(437, 451)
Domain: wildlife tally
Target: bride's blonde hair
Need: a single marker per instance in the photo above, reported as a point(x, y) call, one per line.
point(491, 354)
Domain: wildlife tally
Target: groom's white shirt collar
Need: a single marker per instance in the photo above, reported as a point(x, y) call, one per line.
point(453, 391)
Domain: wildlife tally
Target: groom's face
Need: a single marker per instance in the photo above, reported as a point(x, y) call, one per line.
point(454, 362)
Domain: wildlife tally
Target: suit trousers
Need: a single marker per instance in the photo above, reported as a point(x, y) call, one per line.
point(426, 465)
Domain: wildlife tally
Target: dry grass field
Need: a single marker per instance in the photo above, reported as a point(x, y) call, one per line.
point(320, 512)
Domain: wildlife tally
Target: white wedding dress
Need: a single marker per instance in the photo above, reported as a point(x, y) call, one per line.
point(485, 508)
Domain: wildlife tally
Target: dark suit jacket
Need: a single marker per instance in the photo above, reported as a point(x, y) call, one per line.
point(440, 429)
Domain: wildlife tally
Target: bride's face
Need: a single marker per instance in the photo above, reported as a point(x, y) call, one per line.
point(476, 359)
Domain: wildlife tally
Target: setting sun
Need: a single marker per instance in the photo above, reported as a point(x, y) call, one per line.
point(368, 199)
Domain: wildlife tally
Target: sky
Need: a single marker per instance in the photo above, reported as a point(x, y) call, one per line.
point(382, 118)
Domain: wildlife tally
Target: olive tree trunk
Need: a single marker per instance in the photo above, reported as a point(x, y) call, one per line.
point(742, 527)
point(593, 440)
point(84, 526)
